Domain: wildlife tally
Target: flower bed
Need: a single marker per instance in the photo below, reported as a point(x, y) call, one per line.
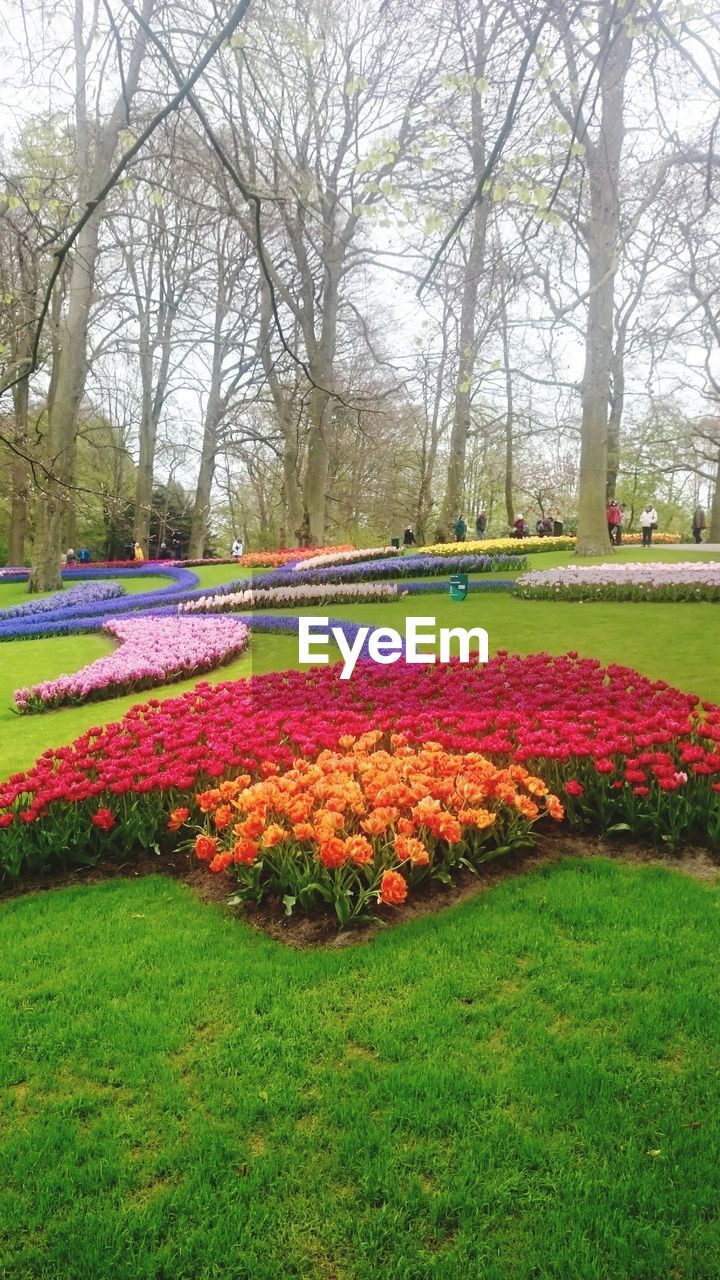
point(85, 593)
point(696, 580)
point(663, 539)
point(631, 754)
point(288, 555)
point(325, 558)
point(275, 559)
point(366, 823)
point(152, 652)
point(500, 546)
point(289, 597)
point(404, 566)
point(66, 618)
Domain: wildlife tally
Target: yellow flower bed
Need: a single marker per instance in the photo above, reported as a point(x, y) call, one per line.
point(665, 539)
point(492, 546)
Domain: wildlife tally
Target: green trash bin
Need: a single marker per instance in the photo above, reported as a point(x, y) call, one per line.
point(395, 542)
point(458, 586)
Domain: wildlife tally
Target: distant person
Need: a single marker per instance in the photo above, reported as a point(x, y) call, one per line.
point(614, 521)
point(408, 537)
point(84, 555)
point(699, 523)
point(176, 547)
point(481, 524)
point(137, 552)
point(460, 529)
point(129, 551)
point(238, 549)
point(163, 551)
point(70, 556)
point(520, 528)
point(648, 523)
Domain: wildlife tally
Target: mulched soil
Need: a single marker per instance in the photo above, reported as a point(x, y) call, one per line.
point(321, 928)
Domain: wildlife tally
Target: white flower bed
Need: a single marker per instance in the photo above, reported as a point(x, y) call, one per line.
point(345, 557)
point(289, 597)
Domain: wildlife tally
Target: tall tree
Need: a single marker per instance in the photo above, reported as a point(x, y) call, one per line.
point(321, 104)
point(96, 134)
point(232, 295)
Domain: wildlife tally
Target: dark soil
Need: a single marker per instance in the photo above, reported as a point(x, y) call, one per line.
point(322, 929)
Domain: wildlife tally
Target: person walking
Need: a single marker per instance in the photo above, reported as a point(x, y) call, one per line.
point(460, 529)
point(138, 552)
point(699, 523)
point(481, 524)
point(408, 537)
point(648, 522)
point(614, 517)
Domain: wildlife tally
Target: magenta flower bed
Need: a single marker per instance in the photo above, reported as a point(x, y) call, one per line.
point(153, 651)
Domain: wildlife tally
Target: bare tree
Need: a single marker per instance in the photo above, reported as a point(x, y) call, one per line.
point(96, 138)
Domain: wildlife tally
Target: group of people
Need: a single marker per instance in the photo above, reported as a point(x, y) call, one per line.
point(546, 526)
point(82, 557)
point(616, 518)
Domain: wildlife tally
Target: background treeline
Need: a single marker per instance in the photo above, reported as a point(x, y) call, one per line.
point(235, 341)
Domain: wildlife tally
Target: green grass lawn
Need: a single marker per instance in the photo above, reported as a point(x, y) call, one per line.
point(522, 1086)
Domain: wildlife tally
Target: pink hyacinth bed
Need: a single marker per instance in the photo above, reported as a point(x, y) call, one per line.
point(687, 581)
point(152, 651)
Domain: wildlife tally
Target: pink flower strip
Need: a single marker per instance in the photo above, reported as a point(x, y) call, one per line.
point(152, 651)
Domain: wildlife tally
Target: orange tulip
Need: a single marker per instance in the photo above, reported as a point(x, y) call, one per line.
point(393, 889)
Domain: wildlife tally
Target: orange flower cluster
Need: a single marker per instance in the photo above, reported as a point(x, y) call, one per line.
point(371, 809)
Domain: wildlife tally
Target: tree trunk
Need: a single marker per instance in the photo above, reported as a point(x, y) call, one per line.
point(603, 239)
point(318, 459)
point(19, 476)
point(424, 506)
point(467, 338)
point(146, 454)
point(617, 403)
point(454, 491)
point(291, 493)
point(154, 383)
point(714, 531)
point(206, 475)
point(63, 414)
point(68, 380)
point(509, 420)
